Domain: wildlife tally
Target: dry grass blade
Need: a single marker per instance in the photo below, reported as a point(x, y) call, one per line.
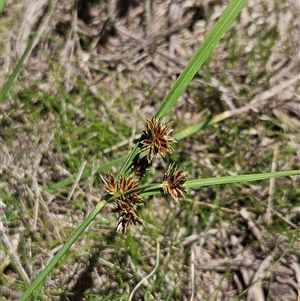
point(148, 276)
point(258, 100)
point(12, 252)
point(192, 275)
point(255, 292)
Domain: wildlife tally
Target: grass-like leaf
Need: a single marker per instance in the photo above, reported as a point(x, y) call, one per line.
point(156, 188)
point(200, 56)
point(40, 278)
point(2, 5)
point(239, 178)
point(4, 90)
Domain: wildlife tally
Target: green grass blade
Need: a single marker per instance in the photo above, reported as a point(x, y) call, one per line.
point(188, 131)
point(156, 188)
point(2, 5)
point(239, 178)
point(41, 277)
point(17, 69)
point(200, 56)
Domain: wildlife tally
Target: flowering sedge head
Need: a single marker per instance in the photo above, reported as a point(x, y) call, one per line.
point(126, 218)
point(173, 182)
point(120, 186)
point(110, 185)
point(127, 183)
point(155, 138)
point(126, 201)
point(127, 212)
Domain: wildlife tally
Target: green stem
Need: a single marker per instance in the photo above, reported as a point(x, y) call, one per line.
point(4, 90)
point(41, 277)
point(2, 5)
point(200, 56)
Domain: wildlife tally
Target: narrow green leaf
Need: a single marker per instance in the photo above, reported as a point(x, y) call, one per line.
point(41, 277)
point(2, 5)
point(188, 131)
point(200, 56)
point(17, 69)
point(239, 179)
point(156, 188)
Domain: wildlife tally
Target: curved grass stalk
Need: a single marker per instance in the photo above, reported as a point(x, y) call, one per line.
point(200, 56)
point(41, 277)
point(4, 90)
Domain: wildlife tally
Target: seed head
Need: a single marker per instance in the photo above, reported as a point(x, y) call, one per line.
point(110, 185)
point(126, 202)
point(125, 219)
point(155, 138)
point(124, 184)
point(127, 213)
point(173, 181)
point(127, 183)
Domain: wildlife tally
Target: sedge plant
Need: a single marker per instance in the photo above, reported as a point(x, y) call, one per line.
point(124, 189)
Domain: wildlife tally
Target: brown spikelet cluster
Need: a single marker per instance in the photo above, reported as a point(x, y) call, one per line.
point(155, 140)
point(173, 181)
point(127, 201)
